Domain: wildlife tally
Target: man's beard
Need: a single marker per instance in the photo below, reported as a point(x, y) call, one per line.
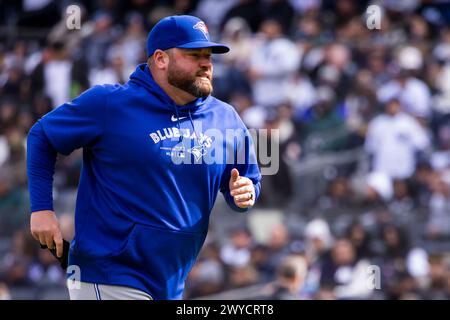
point(193, 85)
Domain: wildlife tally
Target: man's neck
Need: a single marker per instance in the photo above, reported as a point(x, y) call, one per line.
point(180, 97)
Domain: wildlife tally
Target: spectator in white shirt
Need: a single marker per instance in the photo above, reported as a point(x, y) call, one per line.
point(274, 61)
point(238, 252)
point(58, 74)
point(413, 93)
point(393, 140)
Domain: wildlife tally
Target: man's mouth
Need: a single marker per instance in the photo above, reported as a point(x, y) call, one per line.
point(204, 76)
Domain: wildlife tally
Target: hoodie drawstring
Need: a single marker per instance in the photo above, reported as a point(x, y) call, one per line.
point(192, 124)
point(178, 124)
point(193, 128)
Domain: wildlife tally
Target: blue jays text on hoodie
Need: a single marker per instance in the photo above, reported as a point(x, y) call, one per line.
point(141, 218)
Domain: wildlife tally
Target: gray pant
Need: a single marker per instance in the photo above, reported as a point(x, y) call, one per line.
point(93, 291)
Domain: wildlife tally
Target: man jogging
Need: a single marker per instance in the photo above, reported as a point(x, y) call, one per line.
point(147, 184)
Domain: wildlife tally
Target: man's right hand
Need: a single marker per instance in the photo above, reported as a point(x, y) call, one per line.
point(44, 227)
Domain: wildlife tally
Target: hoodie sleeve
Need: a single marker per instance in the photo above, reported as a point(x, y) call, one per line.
point(78, 123)
point(41, 159)
point(245, 162)
point(75, 124)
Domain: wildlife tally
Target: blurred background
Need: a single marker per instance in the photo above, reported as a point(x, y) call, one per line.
point(364, 122)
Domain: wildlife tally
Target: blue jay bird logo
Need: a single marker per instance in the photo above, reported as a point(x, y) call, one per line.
point(202, 27)
point(198, 151)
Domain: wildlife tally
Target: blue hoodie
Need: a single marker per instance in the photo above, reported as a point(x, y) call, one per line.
point(141, 216)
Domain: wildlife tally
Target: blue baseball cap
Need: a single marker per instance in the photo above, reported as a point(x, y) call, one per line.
point(181, 32)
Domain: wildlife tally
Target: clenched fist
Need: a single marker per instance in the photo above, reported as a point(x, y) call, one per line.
point(45, 228)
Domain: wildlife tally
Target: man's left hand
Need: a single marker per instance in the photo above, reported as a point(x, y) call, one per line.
point(242, 190)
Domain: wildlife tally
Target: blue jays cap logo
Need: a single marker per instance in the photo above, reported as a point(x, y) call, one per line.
point(203, 28)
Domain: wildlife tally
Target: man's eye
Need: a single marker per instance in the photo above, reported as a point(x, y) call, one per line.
point(198, 56)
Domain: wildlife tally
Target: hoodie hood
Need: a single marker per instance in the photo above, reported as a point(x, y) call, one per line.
point(143, 78)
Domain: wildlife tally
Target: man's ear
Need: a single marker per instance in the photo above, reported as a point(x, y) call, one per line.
point(160, 59)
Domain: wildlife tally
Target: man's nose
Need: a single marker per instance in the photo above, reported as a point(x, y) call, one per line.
point(206, 63)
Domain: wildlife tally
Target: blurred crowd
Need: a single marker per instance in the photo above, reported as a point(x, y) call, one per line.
point(312, 69)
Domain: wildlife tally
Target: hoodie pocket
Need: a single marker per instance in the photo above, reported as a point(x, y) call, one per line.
point(160, 257)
